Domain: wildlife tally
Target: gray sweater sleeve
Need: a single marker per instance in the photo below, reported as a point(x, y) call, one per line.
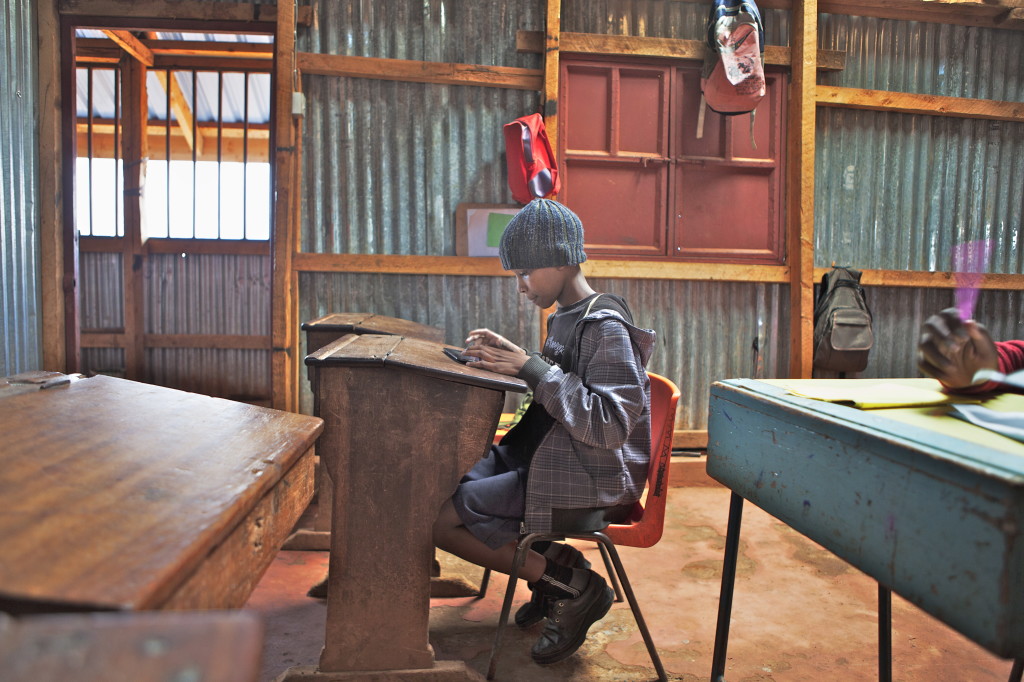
point(534, 369)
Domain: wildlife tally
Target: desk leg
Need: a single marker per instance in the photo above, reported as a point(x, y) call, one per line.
point(884, 634)
point(732, 550)
point(395, 444)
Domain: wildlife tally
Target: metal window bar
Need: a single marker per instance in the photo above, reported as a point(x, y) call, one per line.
point(87, 224)
point(167, 151)
point(89, 141)
point(118, 195)
point(220, 140)
point(245, 156)
point(195, 146)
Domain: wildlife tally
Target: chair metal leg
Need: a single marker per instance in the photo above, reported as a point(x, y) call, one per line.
point(732, 548)
point(611, 573)
point(608, 546)
point(884, 634)
point(506, 606)
point(485, 580)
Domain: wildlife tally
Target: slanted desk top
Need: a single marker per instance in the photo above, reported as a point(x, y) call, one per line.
point(329, 327)
point(122, 495)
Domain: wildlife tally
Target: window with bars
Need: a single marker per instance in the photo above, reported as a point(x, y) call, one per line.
point(207, 170)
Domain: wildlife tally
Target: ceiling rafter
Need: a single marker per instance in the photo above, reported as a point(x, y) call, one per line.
point(182, 111)
point(132, 45)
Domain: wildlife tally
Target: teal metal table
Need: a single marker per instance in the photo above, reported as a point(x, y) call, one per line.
point(929, 506)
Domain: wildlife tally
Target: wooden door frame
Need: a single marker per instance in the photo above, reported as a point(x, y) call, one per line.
point(56, 23)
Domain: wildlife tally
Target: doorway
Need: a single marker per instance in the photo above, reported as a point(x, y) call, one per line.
point(172, 203)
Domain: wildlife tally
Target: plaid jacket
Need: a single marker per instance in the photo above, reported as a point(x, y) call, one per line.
point(597, 452)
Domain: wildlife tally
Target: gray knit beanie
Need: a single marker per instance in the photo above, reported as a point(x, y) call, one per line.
point(544, 234)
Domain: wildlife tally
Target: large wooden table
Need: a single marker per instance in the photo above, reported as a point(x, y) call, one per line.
point(118, 495)
point(403, 423)
point(928, 505)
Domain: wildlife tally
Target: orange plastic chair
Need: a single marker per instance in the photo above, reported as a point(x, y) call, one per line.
point(643, 529)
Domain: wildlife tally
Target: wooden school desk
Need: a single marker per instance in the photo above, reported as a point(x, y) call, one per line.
point(119, 495)
point(926, 504)
point(403, 423)
point(319, 333)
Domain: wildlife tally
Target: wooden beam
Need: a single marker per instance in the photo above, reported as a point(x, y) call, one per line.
point(800, 187)
point(232, 141)
point(135, 144)
point(491, 267)
point(232, 247)
point(661, 48)
point(182, 112)
point(408, 70)
point(51, 190)
point(215, 341)
point(117, 339)
point(132, 45)
point(183, 10)
point(111, 55)
point(284, 361)
point(931, 280)
point(908, 103)
point(213, 50)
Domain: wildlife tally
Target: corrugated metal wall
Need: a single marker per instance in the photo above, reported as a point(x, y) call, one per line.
point(932, 59)
point(185, 294)
point(897, 191)
point(20, 300)
point(708, 331)
point(657, 19)
point(386, 163)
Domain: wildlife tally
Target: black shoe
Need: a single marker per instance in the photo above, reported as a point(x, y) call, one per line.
point(570, 619)
point(535, 610)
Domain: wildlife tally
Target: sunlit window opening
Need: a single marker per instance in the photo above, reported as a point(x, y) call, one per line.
point(207, 171)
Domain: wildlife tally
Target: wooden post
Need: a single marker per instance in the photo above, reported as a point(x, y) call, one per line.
point(552, 37)
point(284, 319)
point(51, 196)
point(135, 145)
point(800, 182)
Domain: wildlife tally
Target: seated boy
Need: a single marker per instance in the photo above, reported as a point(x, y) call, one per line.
point(952, 350)
point(578, 458)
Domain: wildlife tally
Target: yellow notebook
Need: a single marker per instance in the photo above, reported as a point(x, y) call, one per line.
point(873, 394)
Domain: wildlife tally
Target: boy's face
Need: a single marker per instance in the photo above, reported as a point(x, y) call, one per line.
point(542, 286)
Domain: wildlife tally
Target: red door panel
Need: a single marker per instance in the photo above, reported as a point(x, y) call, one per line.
point(622, 206)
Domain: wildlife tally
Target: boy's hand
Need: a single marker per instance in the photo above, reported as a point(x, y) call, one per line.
point(480, 338)
point(500, 360)
point(952, 350)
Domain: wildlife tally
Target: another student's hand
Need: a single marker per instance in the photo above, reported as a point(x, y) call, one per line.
point(952, 350)
point(500, 360)
point(479, 338)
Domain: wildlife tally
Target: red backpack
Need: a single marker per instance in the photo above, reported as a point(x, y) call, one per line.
point(532, 171)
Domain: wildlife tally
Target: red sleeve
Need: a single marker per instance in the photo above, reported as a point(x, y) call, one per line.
point(1011, 355)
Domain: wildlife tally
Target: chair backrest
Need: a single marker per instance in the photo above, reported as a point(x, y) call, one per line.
point(646, 527)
